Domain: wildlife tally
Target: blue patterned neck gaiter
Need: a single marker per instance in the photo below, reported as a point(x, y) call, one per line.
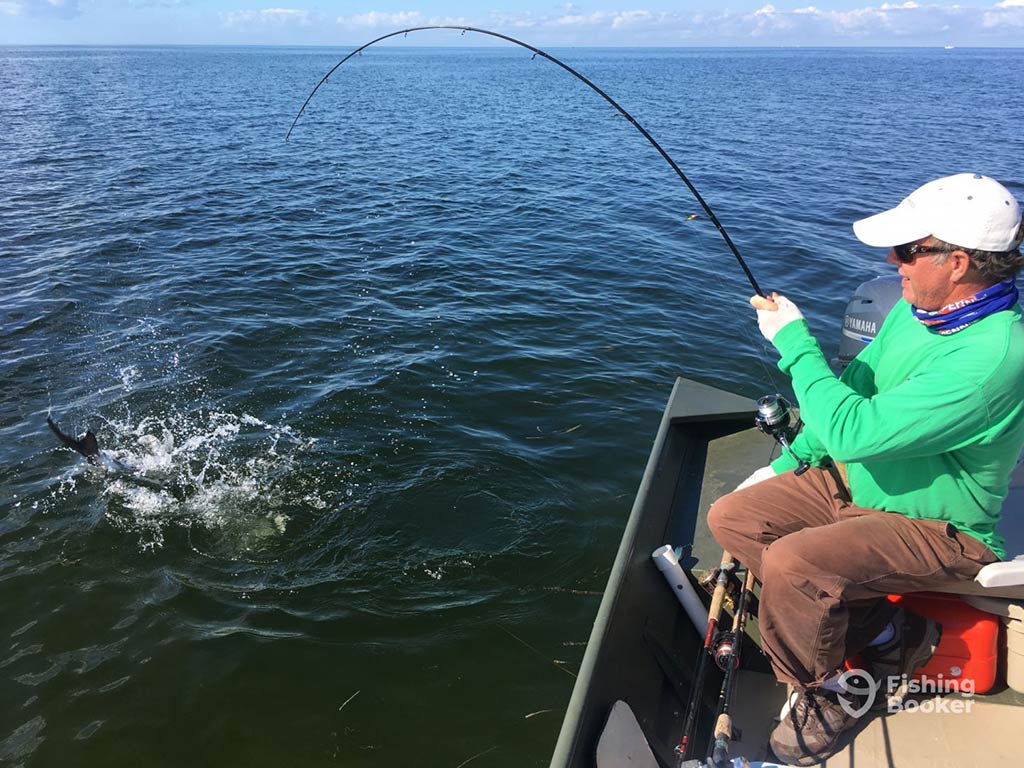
point(958, 315)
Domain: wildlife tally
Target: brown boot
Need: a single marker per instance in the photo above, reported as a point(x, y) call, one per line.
point(811, 730)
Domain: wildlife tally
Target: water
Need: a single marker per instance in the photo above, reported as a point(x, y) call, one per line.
point(401, 373)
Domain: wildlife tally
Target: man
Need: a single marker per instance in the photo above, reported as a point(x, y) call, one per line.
point(911, 452)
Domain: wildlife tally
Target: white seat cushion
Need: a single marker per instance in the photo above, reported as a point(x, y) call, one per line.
point(1007, 573)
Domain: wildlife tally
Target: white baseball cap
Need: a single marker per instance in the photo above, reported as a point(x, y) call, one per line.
point(968, 209)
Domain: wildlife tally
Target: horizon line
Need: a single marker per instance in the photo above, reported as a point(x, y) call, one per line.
point(922, 46)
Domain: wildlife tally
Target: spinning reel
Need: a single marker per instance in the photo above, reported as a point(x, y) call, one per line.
point(774, 418)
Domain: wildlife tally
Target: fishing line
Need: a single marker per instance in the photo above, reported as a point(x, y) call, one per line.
point(538, 52)
point(761, 347)
point(762, 350)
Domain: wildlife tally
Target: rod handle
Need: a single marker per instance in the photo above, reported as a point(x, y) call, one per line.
point(719, 594)
point(723, 735)
point(723, 726)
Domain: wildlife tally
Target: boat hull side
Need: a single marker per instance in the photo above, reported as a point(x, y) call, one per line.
point(642, 645)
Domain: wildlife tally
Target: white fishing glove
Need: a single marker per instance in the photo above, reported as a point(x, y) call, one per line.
point(762, 474)
point(774, 314)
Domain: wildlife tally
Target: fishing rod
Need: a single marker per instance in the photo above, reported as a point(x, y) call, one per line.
point(727, 656)
point(696, 692)
point(538, 52)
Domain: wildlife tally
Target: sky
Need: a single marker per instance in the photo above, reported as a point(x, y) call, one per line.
point(626, 23)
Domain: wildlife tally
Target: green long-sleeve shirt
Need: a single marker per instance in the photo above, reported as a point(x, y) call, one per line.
point(928, 426)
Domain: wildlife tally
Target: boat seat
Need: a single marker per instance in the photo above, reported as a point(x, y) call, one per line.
point(1004, 579)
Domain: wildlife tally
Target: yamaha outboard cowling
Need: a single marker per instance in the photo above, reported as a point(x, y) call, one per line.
point(864, 314)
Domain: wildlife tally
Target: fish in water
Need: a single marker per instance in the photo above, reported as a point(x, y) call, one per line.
point(88, 446)
point(249, 530)
point(85, 445)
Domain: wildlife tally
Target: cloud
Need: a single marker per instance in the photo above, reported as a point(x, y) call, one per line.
point(613, 20)
point(581, 20)
point(157, 3)
point(1007, 14)
point(277, 17)
point(301, 25)
point(884, 23)
point(380, 19)
point(633, 18)
point(61, 9)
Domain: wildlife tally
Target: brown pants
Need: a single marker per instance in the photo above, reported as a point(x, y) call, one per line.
point(825, 566)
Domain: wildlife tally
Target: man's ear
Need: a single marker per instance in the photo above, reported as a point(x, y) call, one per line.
point(961, 264)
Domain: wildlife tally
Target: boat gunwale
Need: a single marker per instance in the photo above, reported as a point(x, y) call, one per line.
point(696, 414)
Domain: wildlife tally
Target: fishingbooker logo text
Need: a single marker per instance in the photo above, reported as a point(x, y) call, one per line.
point(903, 694)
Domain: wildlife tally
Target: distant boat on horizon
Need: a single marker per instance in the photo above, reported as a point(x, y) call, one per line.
point(949, 47)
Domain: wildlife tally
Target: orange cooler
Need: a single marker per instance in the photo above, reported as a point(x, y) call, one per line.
point(969, 648)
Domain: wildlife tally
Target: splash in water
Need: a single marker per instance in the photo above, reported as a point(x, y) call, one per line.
point(230, 480)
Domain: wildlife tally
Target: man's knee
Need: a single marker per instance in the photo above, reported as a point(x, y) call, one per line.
point(722, 517)
point(733, 523)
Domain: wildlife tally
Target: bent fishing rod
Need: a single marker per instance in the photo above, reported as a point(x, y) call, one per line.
point(538, 52)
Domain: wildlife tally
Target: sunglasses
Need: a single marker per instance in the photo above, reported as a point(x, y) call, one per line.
point(906, 253)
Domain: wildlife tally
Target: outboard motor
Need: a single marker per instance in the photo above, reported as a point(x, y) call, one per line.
point(864, 314)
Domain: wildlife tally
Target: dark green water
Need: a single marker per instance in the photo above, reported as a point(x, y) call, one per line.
point(405, 369)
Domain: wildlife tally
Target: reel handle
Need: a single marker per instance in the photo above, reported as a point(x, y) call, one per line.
point(801, 465)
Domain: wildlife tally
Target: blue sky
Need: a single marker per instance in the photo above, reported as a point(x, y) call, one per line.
point(625, 23)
